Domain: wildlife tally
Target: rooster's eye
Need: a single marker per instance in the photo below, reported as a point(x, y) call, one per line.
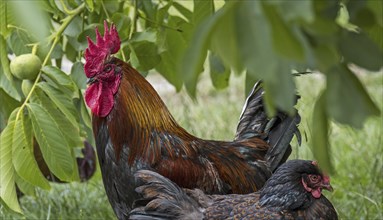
point(107, 68)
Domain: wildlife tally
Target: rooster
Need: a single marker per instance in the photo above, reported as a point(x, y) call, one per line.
point(294, 191)
point(134, 130)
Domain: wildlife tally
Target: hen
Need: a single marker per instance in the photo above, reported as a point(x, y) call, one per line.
point(294, 191)
point(134, 130)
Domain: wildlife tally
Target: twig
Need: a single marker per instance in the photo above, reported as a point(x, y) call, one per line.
point(56, 38)
point(133, 28)
point(161, 25)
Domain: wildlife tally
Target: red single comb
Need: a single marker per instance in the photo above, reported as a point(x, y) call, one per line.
point(96, 54)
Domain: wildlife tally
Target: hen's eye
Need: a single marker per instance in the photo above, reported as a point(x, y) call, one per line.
point(314, 178)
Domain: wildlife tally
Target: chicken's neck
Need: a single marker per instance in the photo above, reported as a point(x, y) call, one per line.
point(141, 121)
point(285, 192)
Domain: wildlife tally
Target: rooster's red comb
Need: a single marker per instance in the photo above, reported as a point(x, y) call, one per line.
point(96, 54)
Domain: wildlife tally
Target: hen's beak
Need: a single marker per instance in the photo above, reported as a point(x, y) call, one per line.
point(327, 186)
point(90, 80)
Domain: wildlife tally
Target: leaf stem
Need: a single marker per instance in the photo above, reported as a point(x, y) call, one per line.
point(122, 53)
point(34, 49)
point(133, 29)
point(66, 10)
point(106, 11)
point(161, 25)
point(56, 39)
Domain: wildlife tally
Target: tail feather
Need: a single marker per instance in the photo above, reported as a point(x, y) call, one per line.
point(253, 119)
point(278, 131)
point(279, 139)
point(162, 199)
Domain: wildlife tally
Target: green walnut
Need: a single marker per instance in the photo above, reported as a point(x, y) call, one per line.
point(26, 86)
point(26, 66)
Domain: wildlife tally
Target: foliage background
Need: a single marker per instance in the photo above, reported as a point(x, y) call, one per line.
point(179, 39)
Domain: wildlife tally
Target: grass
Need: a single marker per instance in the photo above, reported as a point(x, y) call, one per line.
point(356, 154)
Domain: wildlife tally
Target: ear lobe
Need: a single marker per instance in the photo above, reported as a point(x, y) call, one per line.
point(307, 188)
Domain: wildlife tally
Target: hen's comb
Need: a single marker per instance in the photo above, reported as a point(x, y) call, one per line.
point(96, 53)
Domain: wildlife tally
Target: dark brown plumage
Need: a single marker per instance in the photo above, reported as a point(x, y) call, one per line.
point(134, 130)
point(290, 193)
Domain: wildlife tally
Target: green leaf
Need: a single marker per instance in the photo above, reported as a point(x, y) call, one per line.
point(284, 40)
point(85, 114)
point(262, 62)
point(75, 27)
point(147, 56)
point(46, 6)
point(251, 79)
point(57, 52)
point(71, 131)
point(202, 10)
point(147, 35)
point(347, 100)
point(78, 76)
point(8, 104)
point(82, 41)
point(123, 25)
point(89, 5)
point(322, 28)
point(61, 80)
point(25, 186)
point(326, 56)
point(54, 147)
point(294, 10)
point(71, 53)
point(62, 101)
point(163, 14)
point(320, 142)
point(193, 60)
point(4, 58)
point(31, 17)
point(359, 49)
point(364, 18)
point(375, 33)
point(22, 153)
point(220, 75)
point(183, 10)
point(7, 177)
point(254, 39)
point(12, 88)
point(224, 40)
point(3, 19)
point(18, 41)
point(168, 69)
point(280, 88)
point(377, 8)
point(175, 43)
point(326, 10)
point(150, 9)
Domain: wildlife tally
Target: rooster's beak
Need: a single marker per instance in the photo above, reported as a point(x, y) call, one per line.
point(90, 80)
